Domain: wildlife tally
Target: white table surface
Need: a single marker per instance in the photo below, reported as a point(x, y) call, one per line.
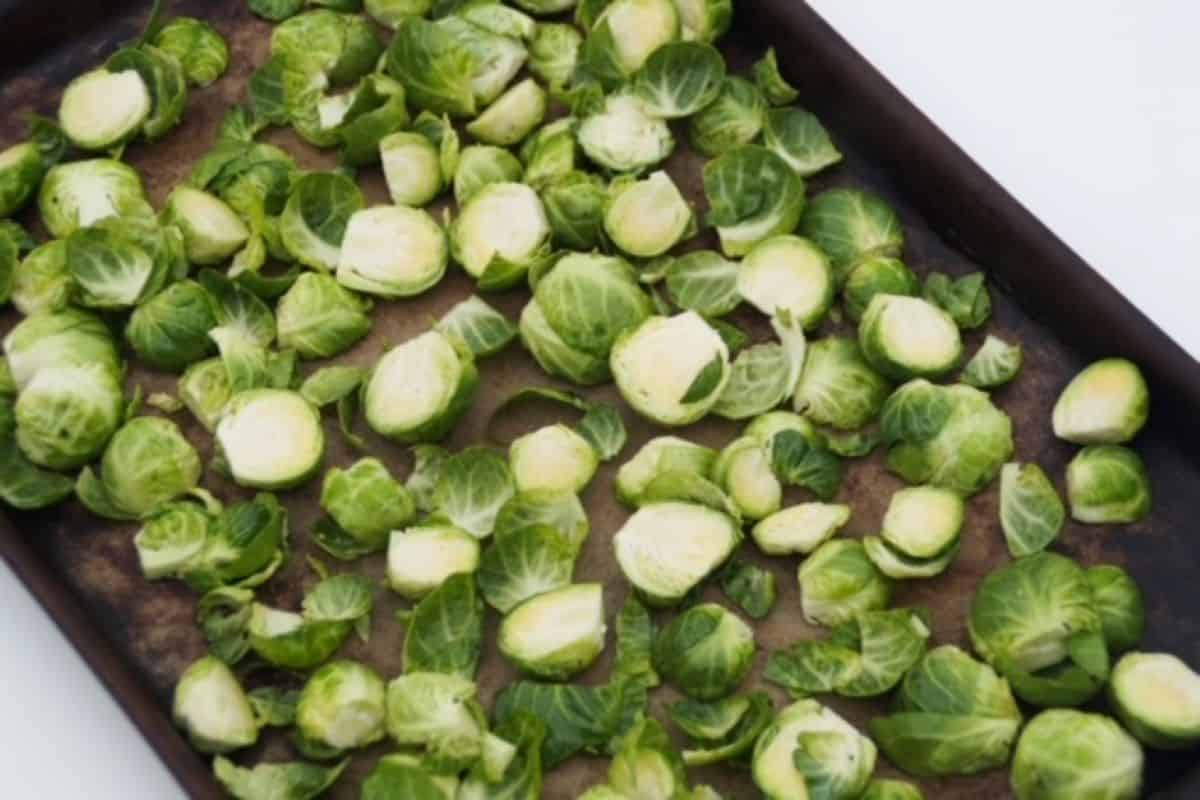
point(1087, 110)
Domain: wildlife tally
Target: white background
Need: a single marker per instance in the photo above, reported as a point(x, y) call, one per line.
point(1087, 110)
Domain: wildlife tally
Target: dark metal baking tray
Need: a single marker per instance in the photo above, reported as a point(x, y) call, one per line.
point(139, 636)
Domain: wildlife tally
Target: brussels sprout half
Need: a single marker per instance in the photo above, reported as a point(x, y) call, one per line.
point(810, 745)
point(513, 115)
point(341, 707)
point(647, 218)
point(624, 137)
point(787, 273)
point(1108, 483)
point(211, 706)
point(1070, 754)
point(1157, 696)
point(81, 193)
point(556, 634)
point(421, 558)
point(907, 337)
point(665, 549)
point(744, 471)
point(212, 232)
point(101, 109)
point(838, 582)
point(500, 234)
point(271, 438)
point(554, 458)
point(1106, 403)
point(660, 455)
point(799, 529)
point(923, 521)
point(418, 390)
point(392, 251)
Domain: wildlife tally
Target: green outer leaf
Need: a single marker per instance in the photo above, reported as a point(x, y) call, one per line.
point(340, 598)
point(994, 364)
point(738, 739)
point(428, 462)
point(604, 428)
point(330, 384)
point(635, 642)
point(472, 488)
point(445, 631)
point(965, 299)
point(800, 462)
point(576, 717)
point(680, 78)
point(706, 382)
point(435, 69)
point(703, 281)
point(525, 562)
point(482, 328)
point(749, 586)
point(24, 485)
point(394, 780)
point(774, 87)
point(1031, 512)
point(273, 706)
point(758, 382)
point(848, 225)
point(294, 780)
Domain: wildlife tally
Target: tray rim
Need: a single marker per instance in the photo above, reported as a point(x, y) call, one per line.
point(1167, 363)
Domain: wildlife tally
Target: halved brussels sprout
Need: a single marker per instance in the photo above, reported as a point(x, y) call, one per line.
point(212, 232)
point(787, 273)
point(658, 456)
point(797, 136)
point(744, 217)
point(625, 34)
point(838, 582)
point(809, 748)
point(555, 458)
point(1070, 755)
point(66, 414)
point(418, 390)
point(81, 193)
point(101, 109)
point(850, 225)
point(838, 387)
point(390, 13)
point(271, 438)
point(1108, 483)
point(1031, 513)
point(647, 218)
point(1157, 696)
point(554, 52)
point(1106, 403)
point(680, 78)
point(907, 337)
point(733, 119)
point(704, 20)
point(500, 234)
point(556, 634)
point(744, 471)
point(211, 706)
point(512, 117)
point(800, 528)
point(318, 318)
point(411, 167)
point(895, 563)
point(421, 558)
point(705, 652)
point(341, 707)
point(291, 778)
point(665, 549)
point(197, 46)
point(205, 389)
point(313, 223)
point(554, 355)
point(876, 275)
point(366, 502)
point(671, 370)
point(923, 521)
point(392, 251)
point(623, 136)
point(480, 165)
point(1119, 603)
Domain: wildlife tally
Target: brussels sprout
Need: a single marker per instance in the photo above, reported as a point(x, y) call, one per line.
point(341, 707)
point(246, 546)
point(163, 77)
point(297, 780)
point(671, 391)
point(197, 46)
point(472, 488)
point(705, 652)
point(81, 193)
point(392, 251)
point(1069, 754)
point(770, 82)
point(429, 708)
point(965, 299)
point(212, 708)
point(838, 582)
point(665, 549)
point(1119, 603)
point(313, 223)
point(366, 502)
point(623, 136)
point(906, 337)
point(1108, 483)
point(744, 471)
point(658, 456)
point(212, 232)
point(704, 281)
point(704, 20)
point(850, 225)
point(751, 588)
point(411, 167)
point(170, 331)
point(319, 319)
point(204, 388)
point(117, 263)
point(733, 119)
point(524, 563)
point(808, 748)
point(42, 283)
point(303, 641)
point(787, 273)
point(1106, 403)
point(556, 634)
point(876, 275)
point(496, 58)
point(554, 355)
point(550, 154)
point(892, 790)
point(418, 390)
point(1157, 696)
point(742, 222)
point(554, 458)
point(1031, 513)
point(647, 218)
point(953, 716)
point(102, 110)
point(923, 521)
point(271, 438)
point(65, 414)
point(391, 13)
point(481, 165)
point(513, 115)
point(437, 72)
point(679, 79)
point(624, 36)
point(500, 234)
point(797, 136)
point(554, 52)
point(341, 47)
point(838, 387)
point(948, 436)
point(567, 297)
point(1035, 621)
point(799, 529)
point(420, 559)
point(172, 540)
point(575, 209)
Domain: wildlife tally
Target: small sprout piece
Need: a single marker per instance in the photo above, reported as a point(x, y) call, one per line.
point(1107, 483)
point(751, 587)
point(646, 764)
point(198, 48)
point(734, 118)
point(147, 464)
point(551, 153)
point(313, 223)
point(1106, 403)
point(721, 730)
point(705, 652)
point(411, 167)
point(554, 53)
point(772, 84)
point(894, 563)
point(562, 512)
point(626, 33)
point(624, 137)
point(1070, 754)
point(438, 710)
point(318, 318)
point(680, 78)
point(271, 438)
point(212, 708)
point(366, 502)
point(778, 202)
point(480, 165)
point(665, 549)
point(420, 559)
point(405, 772)
point(391, 13)
point(81, 193)
point(802, 459)
point(799, 529)
point(341, 707)
point(22, 166)
point(994, 364)
point(744, 471)
point(838, 582)
point(849, 225)
point(906, 337)
point(557, 634)
point(296, 780)
point(212, 232)
point(555, 458)
point(797, 136)
point(787, 273)
point(658, 456)
point(876, 275)
point(647, 218)
point(1031, 513)
point(671, 370)
point(392, 251)
point(512, 117)
point(1119, 602)
point(923, 521)
point(419, 390)
point(483, 329)
point(171, 540)
point(809, 746)
point(500, 233)
point(1157, 696)
point(204, 388)
point(838, 387)
point(102, 109)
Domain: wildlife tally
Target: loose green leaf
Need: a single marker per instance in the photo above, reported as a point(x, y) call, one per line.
point(445, 630)
point(1031, 512)
point(751, 587)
